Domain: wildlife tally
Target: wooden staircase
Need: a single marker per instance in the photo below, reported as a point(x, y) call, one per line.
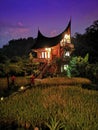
point(43, 69)
point(46, 68)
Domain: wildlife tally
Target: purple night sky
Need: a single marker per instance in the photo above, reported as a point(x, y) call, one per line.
point(22, 18)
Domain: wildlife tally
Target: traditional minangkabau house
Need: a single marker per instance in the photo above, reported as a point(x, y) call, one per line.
point(53, 52)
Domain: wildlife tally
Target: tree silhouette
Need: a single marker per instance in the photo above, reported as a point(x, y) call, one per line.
point(87, 43)
point(20, 47)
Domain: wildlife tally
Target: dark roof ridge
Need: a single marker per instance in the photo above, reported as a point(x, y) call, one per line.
point(43, 41)
point(41, 34)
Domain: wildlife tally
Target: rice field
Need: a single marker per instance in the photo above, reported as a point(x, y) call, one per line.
point(51, 102)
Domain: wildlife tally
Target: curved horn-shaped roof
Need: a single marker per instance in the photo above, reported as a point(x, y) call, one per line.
point(43, 41)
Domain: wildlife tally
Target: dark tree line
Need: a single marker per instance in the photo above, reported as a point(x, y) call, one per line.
point(87, 43)
point(20, 47)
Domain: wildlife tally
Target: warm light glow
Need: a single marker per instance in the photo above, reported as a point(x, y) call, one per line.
point(2, 98)
point(65, 67)
point(45, 54)
point(67, 53)
point(42, 55)
point(48, 49)
point(48, 54)
point(22, 87)
point(65, 40)
point(62, 43)
point(67, 36)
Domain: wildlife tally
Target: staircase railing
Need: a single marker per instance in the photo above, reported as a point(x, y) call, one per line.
point(45, 67)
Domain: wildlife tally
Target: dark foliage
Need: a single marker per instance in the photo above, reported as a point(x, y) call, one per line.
point(87, 43)
point(20, 47)
point(3, 58)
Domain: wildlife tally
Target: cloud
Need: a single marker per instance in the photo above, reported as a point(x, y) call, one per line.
point(10, 31)
point(4, 25)
point(53, 33)
point(20, 24)
point(18, 32)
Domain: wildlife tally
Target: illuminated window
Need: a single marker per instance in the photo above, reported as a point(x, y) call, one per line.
point(67, 53)
point(67, 37)
point(43, 55)
point(48, 49)
point(65, 40)
point(62, 43)
point(48, 54)
point(65, 67)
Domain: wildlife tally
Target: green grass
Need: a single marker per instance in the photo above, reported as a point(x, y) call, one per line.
point(71, 105)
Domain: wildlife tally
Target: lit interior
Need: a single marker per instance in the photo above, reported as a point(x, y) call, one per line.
point(47, 53)
point(67, 53)
point(65, 67)
point(65, 40)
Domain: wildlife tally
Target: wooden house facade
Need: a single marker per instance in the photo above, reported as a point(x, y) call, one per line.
point(49, 49)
